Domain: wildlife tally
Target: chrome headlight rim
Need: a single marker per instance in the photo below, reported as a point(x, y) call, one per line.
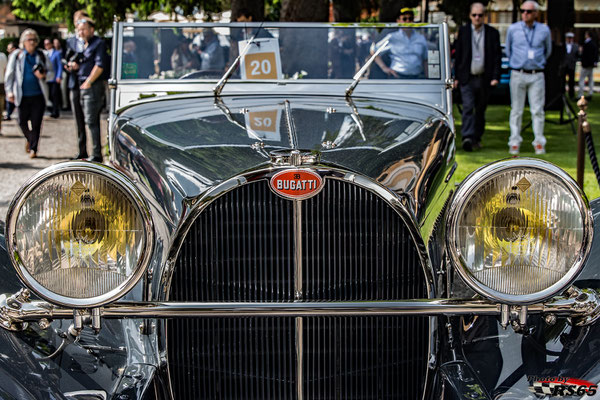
point(475, 181)
point(116, 178)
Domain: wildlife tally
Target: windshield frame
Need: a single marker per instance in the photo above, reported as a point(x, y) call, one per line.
point(121, 27)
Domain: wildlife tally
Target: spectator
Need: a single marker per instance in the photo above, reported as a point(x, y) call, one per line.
point(55, 79)
point(568, 63)
point(182, 59)
point(10, 106)
point(342, 54)
point(528, 46)
point(25, 84)
point(407, 48)
point(74, 52)
point(130, 62)
point(478, 59)
point(3, 62)
point(210, 52)
point(589, 60)
point(91, 76)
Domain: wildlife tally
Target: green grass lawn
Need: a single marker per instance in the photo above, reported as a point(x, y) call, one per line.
point(561, 146)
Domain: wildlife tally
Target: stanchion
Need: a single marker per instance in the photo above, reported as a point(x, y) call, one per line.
point(584, 133)
point(581, 118)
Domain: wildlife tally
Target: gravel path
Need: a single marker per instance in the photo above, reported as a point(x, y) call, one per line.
point(58, 143)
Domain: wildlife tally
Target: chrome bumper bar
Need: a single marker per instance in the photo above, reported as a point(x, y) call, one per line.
point(583, 305)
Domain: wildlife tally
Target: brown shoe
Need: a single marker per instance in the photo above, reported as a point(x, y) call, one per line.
point(32, 154)
point(27, 147)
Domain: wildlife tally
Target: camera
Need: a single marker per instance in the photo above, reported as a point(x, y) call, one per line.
point(39, 67)
point(73, 56)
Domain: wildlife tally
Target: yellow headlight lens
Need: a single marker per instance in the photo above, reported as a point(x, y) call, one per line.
point(519, 231)
point(79, 235)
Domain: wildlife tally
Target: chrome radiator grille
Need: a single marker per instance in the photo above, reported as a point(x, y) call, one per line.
point(354, 246)
point(254, 358)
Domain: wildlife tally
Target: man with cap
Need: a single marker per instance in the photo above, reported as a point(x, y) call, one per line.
point(407, 50)
point(589, 60)
point(568, 63)
point(477, 69)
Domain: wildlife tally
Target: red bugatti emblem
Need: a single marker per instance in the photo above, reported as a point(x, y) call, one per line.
point(296, 183)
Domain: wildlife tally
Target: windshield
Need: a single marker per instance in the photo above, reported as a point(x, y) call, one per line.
point(205, 51)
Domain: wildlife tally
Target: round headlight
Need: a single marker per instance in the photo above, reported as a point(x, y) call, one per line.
point(79, 234)
point(519, 230)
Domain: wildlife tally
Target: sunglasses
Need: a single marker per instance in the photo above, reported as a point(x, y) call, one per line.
point(31, 40)
point(406, 19)
point(477, 15)
point(527, 11)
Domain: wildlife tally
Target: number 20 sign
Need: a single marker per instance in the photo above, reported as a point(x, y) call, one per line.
point(262, 61)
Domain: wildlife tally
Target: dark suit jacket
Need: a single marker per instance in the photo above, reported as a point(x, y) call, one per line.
point(589, 56)
point(569, 59)
point(492, 54)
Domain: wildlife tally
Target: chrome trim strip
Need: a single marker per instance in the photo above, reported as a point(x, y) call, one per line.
point(586, 303)
point(128, 188)
point(298, 290)
point(299, 358)
point(474, 182)
point(290, 125)
point(447, 73)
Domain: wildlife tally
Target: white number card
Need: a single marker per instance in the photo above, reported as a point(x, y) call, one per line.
point(262, 61)
point(264, 123)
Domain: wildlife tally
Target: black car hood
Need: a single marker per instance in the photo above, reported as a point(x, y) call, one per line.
point(182, 146)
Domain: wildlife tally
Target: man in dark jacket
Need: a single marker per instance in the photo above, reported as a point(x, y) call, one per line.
point(568, 63)
point(477, 69)
point(589, 59)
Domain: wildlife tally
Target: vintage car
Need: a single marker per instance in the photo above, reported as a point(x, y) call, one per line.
point(279, 219)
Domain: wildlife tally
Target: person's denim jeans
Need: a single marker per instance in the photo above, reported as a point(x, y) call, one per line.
point(92, 100)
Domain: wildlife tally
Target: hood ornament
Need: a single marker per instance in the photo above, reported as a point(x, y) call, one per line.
point(294, 157)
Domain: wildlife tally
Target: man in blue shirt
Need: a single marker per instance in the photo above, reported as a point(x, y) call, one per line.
point(528, 46)
point(407, 50)
point(91, 76)
point(55, 56)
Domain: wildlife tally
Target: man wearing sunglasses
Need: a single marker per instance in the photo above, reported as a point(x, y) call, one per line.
point(528, 46)
point(477, 69)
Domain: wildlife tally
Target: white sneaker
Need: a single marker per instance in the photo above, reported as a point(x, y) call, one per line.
point(539, 149)
point(514, 150)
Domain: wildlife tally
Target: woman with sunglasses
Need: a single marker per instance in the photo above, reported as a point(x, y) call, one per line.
point(25, 85)
point(528, 46)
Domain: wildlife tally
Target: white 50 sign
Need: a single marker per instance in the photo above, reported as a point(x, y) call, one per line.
point(264, 123)
point(262, 61)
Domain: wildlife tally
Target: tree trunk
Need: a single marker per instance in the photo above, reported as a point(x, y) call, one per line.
point(346, 10)
point(561, 18)
point(305, 10)
point(516, 13)
point(255, 7)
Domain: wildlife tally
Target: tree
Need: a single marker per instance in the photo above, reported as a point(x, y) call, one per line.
point(255, 7)
point(346, 10)
point(305, 10)
point(459, 9)
point(102, 11)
